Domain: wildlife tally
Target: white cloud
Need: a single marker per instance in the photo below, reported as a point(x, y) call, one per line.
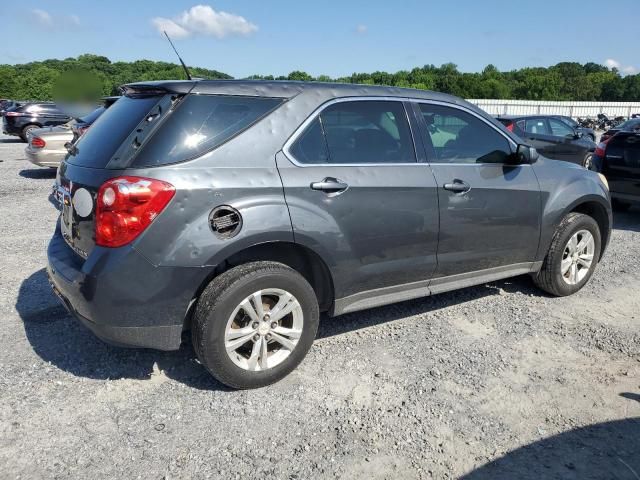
point(42, 17)
point(54, 22)
point(626, 69)
point(204, 20)
point(361, 29)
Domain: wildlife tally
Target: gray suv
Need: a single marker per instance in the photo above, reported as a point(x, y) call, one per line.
point(240, 210)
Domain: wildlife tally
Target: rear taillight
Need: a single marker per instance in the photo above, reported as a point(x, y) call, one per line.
point(601, 148)
point(509, 126)
point(37, 142)
point(13, 114)
point(126, 206)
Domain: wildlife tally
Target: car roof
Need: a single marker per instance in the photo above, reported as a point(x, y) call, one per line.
point(288, 89)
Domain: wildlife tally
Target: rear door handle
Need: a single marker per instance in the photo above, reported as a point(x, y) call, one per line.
point(330, 185)
point(457, 186)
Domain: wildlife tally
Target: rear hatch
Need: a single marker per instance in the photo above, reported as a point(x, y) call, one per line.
point(100, 154)
point(149, 127)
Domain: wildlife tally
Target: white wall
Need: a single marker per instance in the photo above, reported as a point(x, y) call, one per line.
point(572, 109)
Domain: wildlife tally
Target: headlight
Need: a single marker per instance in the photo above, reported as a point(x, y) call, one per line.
point(604, 180)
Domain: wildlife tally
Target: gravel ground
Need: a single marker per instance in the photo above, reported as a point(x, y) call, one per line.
point(495, 381)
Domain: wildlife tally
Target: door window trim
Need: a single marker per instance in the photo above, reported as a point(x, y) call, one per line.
point(429, 149)
point(316, 115)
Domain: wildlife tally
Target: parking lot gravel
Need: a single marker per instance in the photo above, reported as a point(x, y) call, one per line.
point(494, 381)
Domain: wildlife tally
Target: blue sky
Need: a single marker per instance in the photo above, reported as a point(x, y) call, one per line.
point(331, 37)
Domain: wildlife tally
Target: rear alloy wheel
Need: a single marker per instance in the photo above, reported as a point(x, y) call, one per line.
point(26, 131)
point(264, 329)
point(255, 323)
point(572, 256)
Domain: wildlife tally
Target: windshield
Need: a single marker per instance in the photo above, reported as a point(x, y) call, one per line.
point(96, 147)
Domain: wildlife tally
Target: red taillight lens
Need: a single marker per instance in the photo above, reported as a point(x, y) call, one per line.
point(510, 127)
point(37, 142)
point(601, 149)
point(13, 114)
point(126, 206)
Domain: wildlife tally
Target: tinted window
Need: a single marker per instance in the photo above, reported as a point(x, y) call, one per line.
point(96, 147)
point(536, 126)
point(201, 123)
point(311, 146)
point(459, 137)
point(367, 132)
point(560, 129)
point(630, 124)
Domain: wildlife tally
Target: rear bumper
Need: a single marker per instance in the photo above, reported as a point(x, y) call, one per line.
point(120, 296)
point(44, 158)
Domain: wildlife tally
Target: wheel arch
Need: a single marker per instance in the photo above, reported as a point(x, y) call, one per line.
point(596, 210)
point(300, 258)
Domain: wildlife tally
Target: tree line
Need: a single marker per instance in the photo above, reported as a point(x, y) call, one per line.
point(95, 75)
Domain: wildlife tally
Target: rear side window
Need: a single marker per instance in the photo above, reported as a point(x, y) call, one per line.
point(199, 124)
point(96, 147)
point(536, 126)
point(358, 132)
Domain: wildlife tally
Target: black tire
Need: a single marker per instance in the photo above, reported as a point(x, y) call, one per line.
point(223, 295)
point(549, 278)
point(26, 130)
point(620, 206)
point(587, 162)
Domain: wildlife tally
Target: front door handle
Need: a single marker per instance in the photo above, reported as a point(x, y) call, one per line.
point(457, 186)
point(330, 185)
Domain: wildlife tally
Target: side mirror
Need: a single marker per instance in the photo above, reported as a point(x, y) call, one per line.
point(525, 155)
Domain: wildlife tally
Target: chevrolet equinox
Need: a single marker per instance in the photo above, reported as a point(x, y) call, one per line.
point(240, 210)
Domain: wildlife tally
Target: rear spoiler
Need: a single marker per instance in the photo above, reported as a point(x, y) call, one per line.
point(157, 88)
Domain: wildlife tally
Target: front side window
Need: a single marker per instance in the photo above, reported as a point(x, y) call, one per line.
point(560, 129)
point(358, 132)
point(199, 124)
point(459, 137)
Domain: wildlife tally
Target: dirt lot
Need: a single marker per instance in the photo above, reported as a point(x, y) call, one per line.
point(496, 381)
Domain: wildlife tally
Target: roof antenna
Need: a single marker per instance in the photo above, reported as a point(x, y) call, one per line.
point(186, 70)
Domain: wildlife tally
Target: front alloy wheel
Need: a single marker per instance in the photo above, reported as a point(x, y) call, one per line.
point(577, 257)
point(573, 255)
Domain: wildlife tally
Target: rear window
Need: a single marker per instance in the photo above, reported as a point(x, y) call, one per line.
point(93, 116)
point(199, 124)
point(96, 147)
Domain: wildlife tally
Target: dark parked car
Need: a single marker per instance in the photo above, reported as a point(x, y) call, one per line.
point(586, 132)
point(632, 125)
point(22, 119)
point(7, 105)
point(552, 137)
point(239, 210)
point(81, 124)
point(618, 158)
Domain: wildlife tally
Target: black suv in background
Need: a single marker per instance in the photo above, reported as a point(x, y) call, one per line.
point(552, 137)
point(20, 120)
point(618, 158)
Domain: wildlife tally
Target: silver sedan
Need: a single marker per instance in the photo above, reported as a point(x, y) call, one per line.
point(46, 145)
